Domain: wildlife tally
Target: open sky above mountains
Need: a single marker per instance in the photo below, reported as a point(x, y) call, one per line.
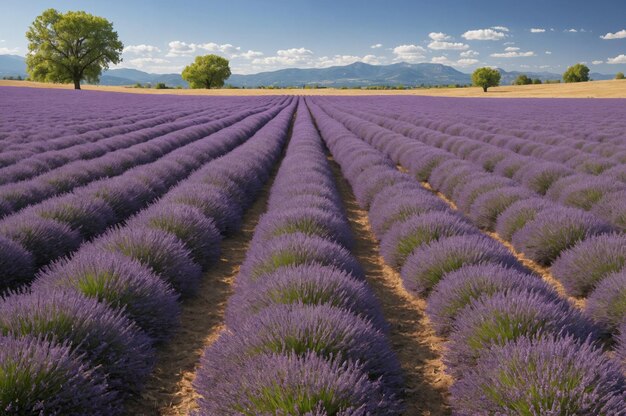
point(163, 36)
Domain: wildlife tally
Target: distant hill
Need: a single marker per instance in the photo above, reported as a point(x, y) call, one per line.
point(358, 74)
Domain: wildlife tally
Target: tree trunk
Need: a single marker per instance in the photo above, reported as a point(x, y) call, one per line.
point(484, 89)
point(77, 84)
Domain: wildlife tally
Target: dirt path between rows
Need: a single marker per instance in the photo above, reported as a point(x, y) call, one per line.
point(414, 341)
point(169, 390)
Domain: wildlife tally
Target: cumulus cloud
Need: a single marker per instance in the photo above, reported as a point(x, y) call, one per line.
point(249, 55)
point(617, 35)
point(376, 46)
point(500, 28)
point(444, 60)
point(145, 62)
point(511, 49)
point(287, 57)
point(572, 30)
point(597, 62)
point(469, 54)
point(8, 51)
point(141, 49)
point(619, 59)
point(451, 46)
point(438, 36)
point(408, 53)
point(548, 52)
point(178, 48)
point(484, 34)
point(513, 54)
point(537, 30)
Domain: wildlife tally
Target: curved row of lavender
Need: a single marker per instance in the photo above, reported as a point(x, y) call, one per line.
point(570, 177)
point(17, 195)
point(514, 346)
point(41, 233)
point(82, 339)
point(304, 331)
point(583, 250)
point(21, 162)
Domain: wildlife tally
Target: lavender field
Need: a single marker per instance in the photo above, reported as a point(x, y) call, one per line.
point(319, 255)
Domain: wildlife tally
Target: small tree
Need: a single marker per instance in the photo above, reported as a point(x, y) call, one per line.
point(576, 73)
point(486, 77)
point(71, 47)
point(523, 80)
point(619, 75)
point(209, 71)
point(536, 81)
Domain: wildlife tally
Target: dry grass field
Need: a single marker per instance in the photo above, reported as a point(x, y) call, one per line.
point(595, 89)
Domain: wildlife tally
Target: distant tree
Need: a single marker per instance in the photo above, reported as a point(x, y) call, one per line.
point(576, 73)
point(486, 77)
point(71, 47)
point(161, 86)
point(536, 81)
point(522, 80)
point(619, 75)
point(208, 71)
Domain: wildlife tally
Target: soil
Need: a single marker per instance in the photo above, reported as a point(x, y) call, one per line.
point(418, 349)
point(169, 390)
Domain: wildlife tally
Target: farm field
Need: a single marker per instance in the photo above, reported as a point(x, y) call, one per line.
point(316, 255)
point(595, 89)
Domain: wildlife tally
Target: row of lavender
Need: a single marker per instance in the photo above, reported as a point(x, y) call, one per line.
point(305, 334)
point(41, 233)
point(46, 155)
point(587, 254)
point(513, 344)
point(82, 338)
point(592, 127)
point(569, 177)
point(19, 194)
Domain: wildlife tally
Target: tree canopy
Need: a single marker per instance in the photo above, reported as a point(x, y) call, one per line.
point(70, 47)
point(486, 77)
point(576, 73)
point(208, 71)
point(523, 80)
point(619, 75)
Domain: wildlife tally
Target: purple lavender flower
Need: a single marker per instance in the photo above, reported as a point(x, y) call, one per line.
point(428, 264)
point(106, 337)
point(612, 209)
point(17, 265)
point(555, 230)
point(473, 189)
point(271, 384)
point(518, 214)
point(540, 177)
point(607, 303)
point(39, 377)
point(459, 288)
point(587, 263)
point(120, 282)
point(546, 376)
point(407, 236)
point(486, 209)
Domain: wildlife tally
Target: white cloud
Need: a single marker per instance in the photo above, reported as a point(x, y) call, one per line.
point(287, 57)
point(335, 60)
point(376, 46)
point(513, 54)
point(450, 46)
point(483, 34)
point(500, 28)
point(178, 48)
point(444, 60)
point(408, 53)
point(469, 54)
point(146, 62)
point(248, 55)
point(537, 30)
point(9, 51)
point(617, 35)
point(597, 62)
point(543, 66)
point(438, 36)
point(141, 49)
point(572, 30)
point(619, 59)
point(548, 52)
point(511, 49)
point(508, 43)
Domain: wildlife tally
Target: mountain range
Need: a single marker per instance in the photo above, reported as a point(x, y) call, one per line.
point(358, 74)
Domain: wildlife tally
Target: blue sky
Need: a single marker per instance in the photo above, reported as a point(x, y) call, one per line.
point(164, 36)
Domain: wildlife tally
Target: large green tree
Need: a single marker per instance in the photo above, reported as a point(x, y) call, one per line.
point(576, 73)
point(71, 47)
point(208, 71)
point(486, 77)
point(523, 80)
